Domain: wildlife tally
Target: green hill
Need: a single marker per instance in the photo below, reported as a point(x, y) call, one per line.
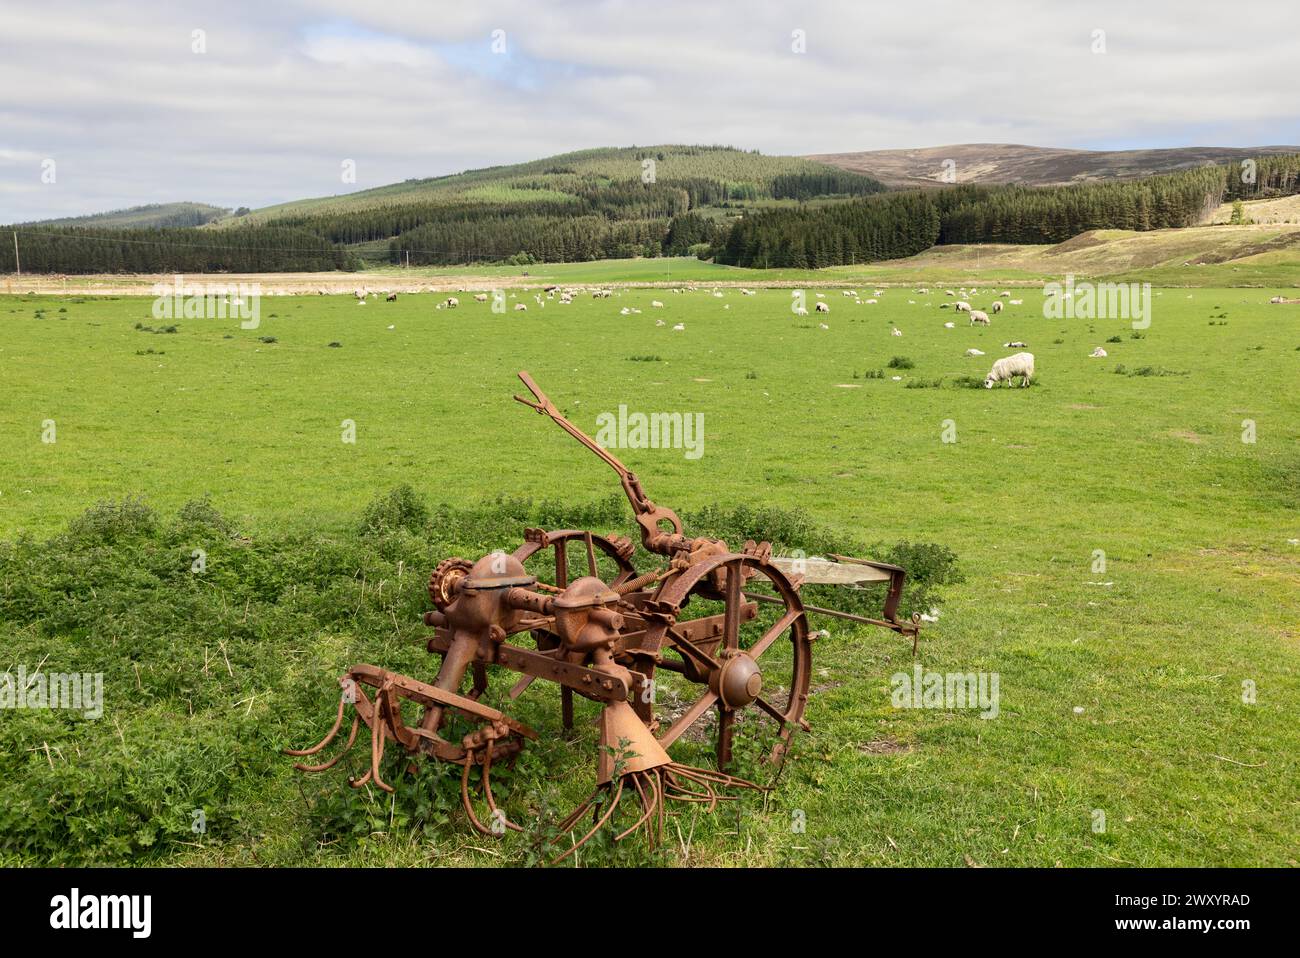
point(152, 216)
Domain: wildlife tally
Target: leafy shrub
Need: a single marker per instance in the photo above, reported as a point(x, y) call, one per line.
point(400, 508)
point(900, 362)
point(106, 522)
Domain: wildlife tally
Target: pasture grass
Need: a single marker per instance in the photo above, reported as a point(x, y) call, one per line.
point(1121, 690)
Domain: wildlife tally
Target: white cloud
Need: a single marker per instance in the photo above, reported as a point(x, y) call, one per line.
point(287, 91)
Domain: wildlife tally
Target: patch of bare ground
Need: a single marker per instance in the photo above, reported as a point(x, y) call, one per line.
point(884, 746)
point(1187, 435)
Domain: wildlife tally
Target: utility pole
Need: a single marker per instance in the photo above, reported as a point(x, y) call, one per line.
point(17, 264)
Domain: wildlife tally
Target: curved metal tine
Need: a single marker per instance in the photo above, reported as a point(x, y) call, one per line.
point(591, 555)
point(329, 736)
point(464, 795)
point(352, 737)
point(379, 733)
point(613, 804)
point(645, 804)
point(722, 778)
point(497, 814)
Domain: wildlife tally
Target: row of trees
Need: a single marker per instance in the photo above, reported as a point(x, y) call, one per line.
point(552, 239)
point(884, 227)
point(237, 250)
point(902, 224)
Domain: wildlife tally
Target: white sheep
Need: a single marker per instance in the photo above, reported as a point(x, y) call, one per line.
point(521, 307)
point(1015, 344)
point(1097, 353)
point(997, 306)
point(480, 297)
point(979, 318)
point(961, 306)
point(451, 302)
point(1016, 302)
point(896, 332)
point(949, 325)
point(1009, 367)
point(823, 326)
point(656, 304)
point(660, 322)
point(679, 327)
point(974, 352)
point(823, 308)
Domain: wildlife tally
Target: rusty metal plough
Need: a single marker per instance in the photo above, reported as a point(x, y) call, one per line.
point(610, 635)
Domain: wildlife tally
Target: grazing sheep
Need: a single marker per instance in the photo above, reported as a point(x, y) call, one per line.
point(391, 297)
point(823, 308)
point(359, 294)
point(660, 322)
point(1016, 302)
point(896, 332)
point(949, 325)
point(1005, 294)
point(948, 292)
point(480, 297)
point(943, 305)
point(1015, 344)
point(1009, 367)
point(997, 306)
point(961, 306)
point(451, 302)
point(1097, 353)
point(823, 326)
point(979, 317)
point(656, 304)
point(871, 302)
point(679, 327)
point(974, 352)
point(521, 307)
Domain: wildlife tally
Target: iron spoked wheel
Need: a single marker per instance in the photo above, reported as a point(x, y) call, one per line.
point(756, 668)
point(575, 553)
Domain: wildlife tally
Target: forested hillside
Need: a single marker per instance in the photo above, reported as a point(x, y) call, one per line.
point(593, 204)
point(885, 228)
point(740, 208)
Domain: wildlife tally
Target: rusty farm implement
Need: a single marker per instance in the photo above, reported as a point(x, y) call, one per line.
point(726, 628)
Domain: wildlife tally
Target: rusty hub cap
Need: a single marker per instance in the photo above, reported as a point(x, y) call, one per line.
point(738, 682)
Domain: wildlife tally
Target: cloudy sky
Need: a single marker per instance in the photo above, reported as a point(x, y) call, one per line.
point(268, 101)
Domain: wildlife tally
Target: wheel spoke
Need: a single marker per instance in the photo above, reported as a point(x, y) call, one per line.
point(562, 564)
point(726, 728)
point(772, 634)
point(731, 616)
point(770, 709)
point(688, 719)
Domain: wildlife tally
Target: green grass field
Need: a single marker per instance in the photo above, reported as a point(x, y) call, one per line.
point(1121, 690)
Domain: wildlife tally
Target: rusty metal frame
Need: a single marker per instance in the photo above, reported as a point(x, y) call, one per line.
point(602, 641)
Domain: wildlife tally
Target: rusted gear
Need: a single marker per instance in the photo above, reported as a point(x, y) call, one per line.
point(445, 578)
